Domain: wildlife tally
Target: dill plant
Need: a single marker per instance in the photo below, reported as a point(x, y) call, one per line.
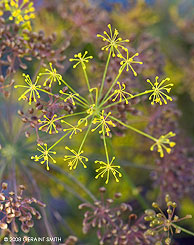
point(93, 108)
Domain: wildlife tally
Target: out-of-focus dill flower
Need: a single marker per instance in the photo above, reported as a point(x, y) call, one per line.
point(16, 208)
point(115, 223)
point(174, 174)
point(164, 222)
point(83, 18)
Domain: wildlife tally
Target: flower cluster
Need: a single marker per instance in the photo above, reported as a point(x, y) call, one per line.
point(15, 208)
point(111, 223)
point(21, 12)
point(158, 90)
point(92, 109)
point(164, 223)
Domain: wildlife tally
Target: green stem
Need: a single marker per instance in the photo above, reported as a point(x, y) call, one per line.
point(44, 91)
point(104, 75)
point(108, 100)
point(183, 229)
point(118, 102)
point(105, 145)
point(116, 79)
point(69, 87)
point(134, 129)
point(70, 115)
point(58, 141)
point(85, 136)
point(88, 84)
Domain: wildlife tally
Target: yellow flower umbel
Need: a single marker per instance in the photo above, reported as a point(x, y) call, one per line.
point(81, 59)
point(158, 90)
point(70, 96)
point(21, 12)
point(114, 42)
point(126, 62)
point(104, 122)
point(44, 156)
point(121, 93)
point(52, 74)
point(32, 89)
point(162, 142)
point(74, 159)
point(163, 223)
point(49, 124)
point(106, 168)
point(73, 129)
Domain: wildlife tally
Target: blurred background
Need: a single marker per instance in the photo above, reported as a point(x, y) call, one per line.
point(162, 31)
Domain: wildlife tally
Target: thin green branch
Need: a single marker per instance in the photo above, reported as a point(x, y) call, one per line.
point(85, 136)
point(111, 87)
point(134, 129)
point(70, 115)
point(104, 75)
point(88, 83)
point(69, 87)
point(58, 141)
point(105, 145)
point(183, 229)
point(82, 104)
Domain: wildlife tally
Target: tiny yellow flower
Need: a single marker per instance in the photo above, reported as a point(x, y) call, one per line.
point(104, 122)
point(52, 74)
point(44, 156)
point(74, 159)
point(73, 129)
point(162, 142)
point(32, 89)
point(21, 11)
point(49, 124)
point(121, 93)
point(81, 59)
point(114, 42)
point(158, 90)
point(70, 96)
point(126, 62)
point(106, 168)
